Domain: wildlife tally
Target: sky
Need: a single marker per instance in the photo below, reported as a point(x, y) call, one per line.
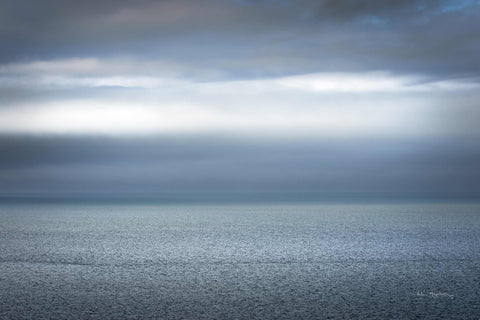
point(259, 96)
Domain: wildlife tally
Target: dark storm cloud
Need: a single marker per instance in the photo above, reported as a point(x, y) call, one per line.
point(252, 38)
point(91, 164)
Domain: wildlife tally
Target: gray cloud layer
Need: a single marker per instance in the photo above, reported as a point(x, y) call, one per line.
point(163, 164)
point(253, 38)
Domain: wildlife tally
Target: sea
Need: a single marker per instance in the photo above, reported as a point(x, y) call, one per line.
point(240, 257)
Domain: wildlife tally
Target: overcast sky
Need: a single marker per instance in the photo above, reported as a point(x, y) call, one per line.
point(204, 95)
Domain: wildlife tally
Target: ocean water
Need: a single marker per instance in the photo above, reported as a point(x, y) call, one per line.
point(327, 260)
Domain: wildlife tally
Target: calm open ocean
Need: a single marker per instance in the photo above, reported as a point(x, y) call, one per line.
point(391, 259)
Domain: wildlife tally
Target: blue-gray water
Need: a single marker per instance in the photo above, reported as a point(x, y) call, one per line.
point(327, 260)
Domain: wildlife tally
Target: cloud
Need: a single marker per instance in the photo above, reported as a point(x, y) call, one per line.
point(373, 82)
point(128, 72)
point(127, 96)
point(115, 118)
point(239, 95)
point(97, 67)
point(252, 39)
point(212, 163)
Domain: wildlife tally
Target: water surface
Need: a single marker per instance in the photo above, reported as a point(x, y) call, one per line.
point(326, 260)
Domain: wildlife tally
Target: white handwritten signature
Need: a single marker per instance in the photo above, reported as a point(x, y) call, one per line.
point(435, 294)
